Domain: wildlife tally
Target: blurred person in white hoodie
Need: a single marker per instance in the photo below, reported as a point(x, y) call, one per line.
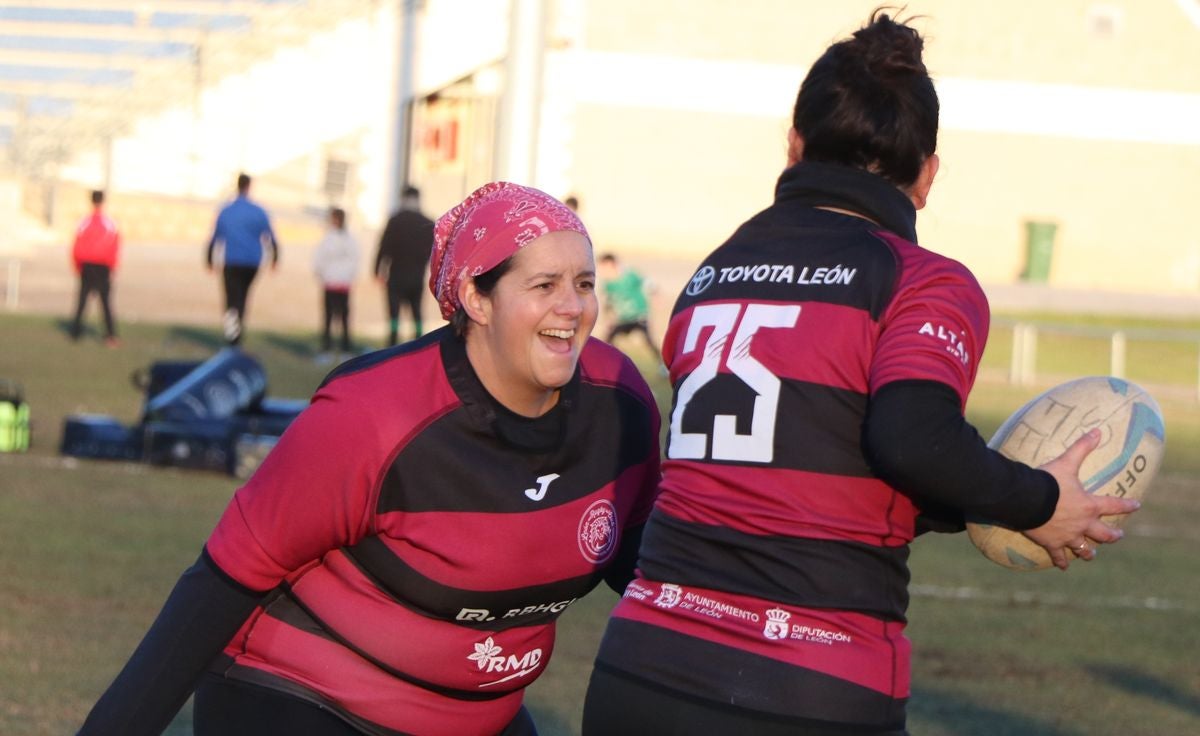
point(335, 263)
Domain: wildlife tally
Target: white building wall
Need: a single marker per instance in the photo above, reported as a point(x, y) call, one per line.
point(335, 88)
point(668, 120)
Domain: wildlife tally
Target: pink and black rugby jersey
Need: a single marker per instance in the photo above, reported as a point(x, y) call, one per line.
point(774, 557)
point(419, 555)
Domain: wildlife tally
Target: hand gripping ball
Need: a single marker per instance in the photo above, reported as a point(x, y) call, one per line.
point(1125, 463)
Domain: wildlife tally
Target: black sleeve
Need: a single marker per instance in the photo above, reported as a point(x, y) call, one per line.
point(201, 615)
point(917, 440)
point(383, 256)
point(620, 572)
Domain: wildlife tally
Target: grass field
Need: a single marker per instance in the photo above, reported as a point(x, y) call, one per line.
point(88, 551)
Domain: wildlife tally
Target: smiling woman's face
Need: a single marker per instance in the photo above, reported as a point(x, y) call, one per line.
point(531, 328)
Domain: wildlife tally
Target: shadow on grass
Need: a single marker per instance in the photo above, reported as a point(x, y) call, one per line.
point(87, 330)
point(202, 338)
point(212, 341)
point(1143, 685)
point(300, 347)
point(942, 712)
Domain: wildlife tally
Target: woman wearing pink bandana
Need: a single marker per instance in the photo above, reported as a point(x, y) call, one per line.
point(398, 562)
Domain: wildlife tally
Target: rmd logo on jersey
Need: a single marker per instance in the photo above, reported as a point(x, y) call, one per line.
point(954, 340)
point(489, 657)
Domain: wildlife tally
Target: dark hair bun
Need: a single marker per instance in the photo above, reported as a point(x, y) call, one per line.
point(868, 102)
point(888, 48)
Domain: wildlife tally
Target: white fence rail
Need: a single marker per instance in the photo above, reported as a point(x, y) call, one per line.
point(1026, 337)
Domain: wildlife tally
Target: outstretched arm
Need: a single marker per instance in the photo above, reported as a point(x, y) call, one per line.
point(201, 615)
point(917, 440)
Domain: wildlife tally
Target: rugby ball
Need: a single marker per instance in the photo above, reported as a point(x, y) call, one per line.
point(1124, 464)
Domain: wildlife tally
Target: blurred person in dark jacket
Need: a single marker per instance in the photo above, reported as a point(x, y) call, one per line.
point(401, 261)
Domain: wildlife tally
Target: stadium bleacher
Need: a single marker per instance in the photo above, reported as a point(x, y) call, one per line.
point(77, 75)
point(74, 72)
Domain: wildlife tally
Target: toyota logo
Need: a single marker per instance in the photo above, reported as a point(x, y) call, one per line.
point(701, 281)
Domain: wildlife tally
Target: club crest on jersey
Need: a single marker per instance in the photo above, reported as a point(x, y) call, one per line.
point(668, 596)
point(777, 624)
point(598, 531)
point(955, 341)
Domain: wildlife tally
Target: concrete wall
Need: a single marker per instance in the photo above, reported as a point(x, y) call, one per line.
point(1082, 113)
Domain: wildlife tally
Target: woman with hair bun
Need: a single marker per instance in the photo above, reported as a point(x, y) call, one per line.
point(821, 361)
point(397, 563)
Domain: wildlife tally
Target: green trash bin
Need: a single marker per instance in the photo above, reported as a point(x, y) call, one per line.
point(1039, 250)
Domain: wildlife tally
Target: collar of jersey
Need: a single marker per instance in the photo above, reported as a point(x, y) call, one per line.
point(536, 434)
point(831, 185)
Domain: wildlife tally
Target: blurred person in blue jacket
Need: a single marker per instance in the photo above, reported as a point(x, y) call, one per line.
point(242, 229)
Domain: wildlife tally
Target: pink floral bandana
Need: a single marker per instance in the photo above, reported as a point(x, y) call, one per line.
point(496, 221)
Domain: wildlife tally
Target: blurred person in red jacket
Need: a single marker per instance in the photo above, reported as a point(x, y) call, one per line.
point(95, 256)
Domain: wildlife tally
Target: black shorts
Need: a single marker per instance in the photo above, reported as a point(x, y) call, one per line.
point(620, 705)
point(226, 707)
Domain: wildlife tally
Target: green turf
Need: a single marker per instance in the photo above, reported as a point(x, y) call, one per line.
point(89, 550)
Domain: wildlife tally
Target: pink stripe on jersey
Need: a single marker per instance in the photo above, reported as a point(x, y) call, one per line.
point(836, 337)
point(791, 503)
point(850, 646)
point(367, 691)
point(445, 654)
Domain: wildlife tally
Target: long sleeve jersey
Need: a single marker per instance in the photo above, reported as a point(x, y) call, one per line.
point(408, 545)
point(773, 571)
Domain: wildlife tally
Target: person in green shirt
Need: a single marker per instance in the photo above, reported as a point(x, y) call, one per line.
point(625, 301)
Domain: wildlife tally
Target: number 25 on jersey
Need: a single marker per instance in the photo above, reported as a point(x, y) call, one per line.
point(759, 445)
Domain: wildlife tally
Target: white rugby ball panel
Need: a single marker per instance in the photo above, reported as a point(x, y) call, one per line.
point(1124, 464)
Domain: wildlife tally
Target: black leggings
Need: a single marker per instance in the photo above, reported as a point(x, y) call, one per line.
point(94, 278)
point(626, 328)
point(617, 706)
point(237, 291)
point(337, 306)
point(225, 707)
point(399, 295)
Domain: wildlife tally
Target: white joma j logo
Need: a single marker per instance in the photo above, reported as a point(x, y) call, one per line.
point(537, 494)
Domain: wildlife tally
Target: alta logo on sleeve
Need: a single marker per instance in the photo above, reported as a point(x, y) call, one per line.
point(955, 340)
